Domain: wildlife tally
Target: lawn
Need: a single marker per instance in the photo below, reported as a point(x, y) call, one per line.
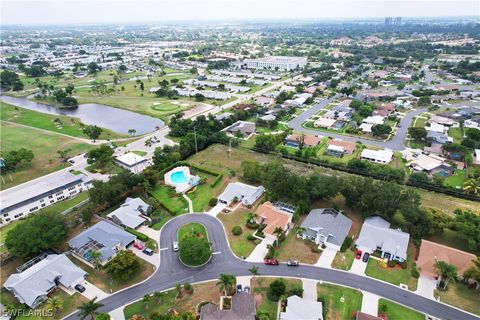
point(452, 239)
point(332, 295)
point(105, 282)
point(460, 296)
point(456, 180)
point(67, 204)
point(395, 311)
point(44, 146)
point(207, 291)
point(140, 153)
point(168, 198)
point(395, 275)
point(456, 134)
point(239, 244)
point(343, 260)
point(202, 193)
point(260, 286)
point(164, 218)
point(56, 123)
point(192, 229)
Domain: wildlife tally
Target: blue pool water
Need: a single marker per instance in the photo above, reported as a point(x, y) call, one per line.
point(443, 173)
point(88, 255)
point(178, 177)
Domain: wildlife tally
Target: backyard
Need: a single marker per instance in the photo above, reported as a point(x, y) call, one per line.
point(44, 146)
point(171, 200)
point(202, 193)
point(396, 311)
point(461, 296)
point(339, 302)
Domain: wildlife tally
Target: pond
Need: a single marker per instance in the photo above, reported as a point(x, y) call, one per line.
point(117, 120)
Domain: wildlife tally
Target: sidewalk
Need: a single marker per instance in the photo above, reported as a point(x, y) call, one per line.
point(258, 254)
point(190, 203)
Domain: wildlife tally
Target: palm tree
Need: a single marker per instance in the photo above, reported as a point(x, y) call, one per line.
point(254, 271)
point(278, 232)
point(472, 186)
point(89, 309)
point(447, 271)
point(251, 217)
point(300, 230)
point(96, 259)
point(226, 282)
point(55, 304)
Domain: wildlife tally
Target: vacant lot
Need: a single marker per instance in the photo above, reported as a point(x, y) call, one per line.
point(44, 146)
point(461, 296)
point(341, 301)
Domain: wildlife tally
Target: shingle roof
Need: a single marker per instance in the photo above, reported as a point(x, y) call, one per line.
point(39, 278)
point(241, 191)
point(330, 223)
point(129, 213)
point(298, 308)
point(243, 308)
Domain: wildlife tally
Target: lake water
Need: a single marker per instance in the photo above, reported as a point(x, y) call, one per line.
point(111, 118)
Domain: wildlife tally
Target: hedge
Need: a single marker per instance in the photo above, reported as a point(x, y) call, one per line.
point(140, 236)
point(217, 179)
point(218, 175)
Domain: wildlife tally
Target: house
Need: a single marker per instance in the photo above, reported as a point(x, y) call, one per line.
point(323, 122)
point(338, 148)
point(377, 156)
point(20, 201)
point(430, 163)
point(103, 237)
point(223, 116)
point(359, 315)
point(245, 193)
point(131, 214)
point(242, 308)
point(245, 128)
point(268, 117)
point(376, 235)
point(431, 252)
point(264, 101)
point(309, 140)
point(374, 120)
point(366, 127)
point(298, 308)
point(33, 284)
point(444, 121)
point(132, 162)
point(384, 109)
point(476, 154)
point(274, 217)
point(326, 227)
point(438, 137)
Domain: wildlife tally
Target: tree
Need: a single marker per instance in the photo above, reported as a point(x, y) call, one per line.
point(417, 133)
point(226, 282)
point(10, 80)
point(199, 97)
point(103, 316)
point(55, 304)
point(146, 301)
point(96, 257)
point(278, 232)
point(158, 296)
point(381, 130)
point(276, 289)
point(251, 217)
point(254, 271)
point(93, 67)
point(100, 156)
point(16, 158)
point(132, 132)
point(447, 271)
point(473, 273)
point(194, 251)
point(472, 186)
point(89, 309)
point(63, 154)
point(123, 266)
point(36, 233)
point(178, 287)
point(93, 132)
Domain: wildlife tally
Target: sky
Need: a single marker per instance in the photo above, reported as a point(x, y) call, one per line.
point(117, 11)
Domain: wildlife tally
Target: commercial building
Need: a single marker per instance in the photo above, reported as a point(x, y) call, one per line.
point(276, 63)
point(132, 162)
point(29, 197)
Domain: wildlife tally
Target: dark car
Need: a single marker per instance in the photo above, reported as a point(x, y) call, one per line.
point(366, 255)
point(239, 288)
point(80, 288)
point(292, 263)
point(246, 289)
point(271, 262)
point(148, 252)
point(358, 254)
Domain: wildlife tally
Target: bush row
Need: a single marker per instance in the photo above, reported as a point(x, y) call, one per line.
point(140, 236)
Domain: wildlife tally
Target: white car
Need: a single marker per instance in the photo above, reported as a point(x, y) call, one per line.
point(175, 246)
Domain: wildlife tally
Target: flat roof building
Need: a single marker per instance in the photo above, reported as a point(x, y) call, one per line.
point(276, 63)
point(132, 162)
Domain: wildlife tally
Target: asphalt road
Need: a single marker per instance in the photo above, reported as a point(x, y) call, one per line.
point(171, 271)
point(397, 143)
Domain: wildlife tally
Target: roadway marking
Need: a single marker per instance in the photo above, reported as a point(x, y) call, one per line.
point(162, 249)
point(218, 252)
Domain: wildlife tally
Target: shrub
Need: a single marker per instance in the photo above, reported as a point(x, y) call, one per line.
point(346, 244)
point(296, 291)
point(188, 287)
point(217, 179)
point(237, 230)
point(392, 263)
point(276, 289)
point(414, 273)
point(213, 202)
point(324, 301)
point(404, 265)
point(140, 236)
point(252, 226)
point(250, 237)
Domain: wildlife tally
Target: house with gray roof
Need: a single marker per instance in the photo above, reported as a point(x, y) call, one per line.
point(131, 213)
point(326, 227)
point(376, 235)
point(298, 308)
point(245, 193)
point(32, 285)
point(243, 308)
point(104, 237)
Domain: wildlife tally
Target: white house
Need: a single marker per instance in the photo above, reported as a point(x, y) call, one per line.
point(299, 308)
point(245, 193)
point(377, 156)
point(132, 213)
point(132, 162)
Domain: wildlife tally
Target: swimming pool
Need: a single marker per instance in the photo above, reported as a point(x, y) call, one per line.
point(178, 177)
point(88, 255)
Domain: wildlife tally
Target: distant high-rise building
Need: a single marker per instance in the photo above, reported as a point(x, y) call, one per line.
point(393, 21)
point(388, 21)
point(397, 21)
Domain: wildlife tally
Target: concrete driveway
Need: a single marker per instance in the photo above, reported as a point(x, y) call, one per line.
point(326, 258)
point(358, 267)
point(309, 289)
point(370, 303)
point(93, 291)
point(426, 287)
point(258, 254)
point(217, 209)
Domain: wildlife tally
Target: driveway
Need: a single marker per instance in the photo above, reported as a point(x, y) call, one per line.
point(217, 209)
point(93, 291)
point(358, 267)
point(426, 287)
point(370, 303)
point(258, 254)
point(153, 259)
point(117, 314)
point(326, 258)
point(309, 289)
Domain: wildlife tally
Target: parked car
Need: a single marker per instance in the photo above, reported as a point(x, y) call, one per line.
point(246, 289)
point(366, 255)
point(292, 263)
point(138, 245)
point(358, 254)
point(71, 161)
point(239, 288)
point(148, 252)
point(175, 246)
point(80, 288)
point(271, 262)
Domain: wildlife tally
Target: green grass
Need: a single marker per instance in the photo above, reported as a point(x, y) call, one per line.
point(202, 193)
point(456, 180)
point(343, 260)
point(67, 204)
point(164, 218)
point(461, 296)
point(66, 125)
point(456, 134)
point(395, 275)
point(140, 153)
point(192, 229)
point(170, 199)
point(395, 311)
point(261, 286)
point(44, 145)
point(167, 301)
point(239, 244)
point(336, 309)
point(198, 232)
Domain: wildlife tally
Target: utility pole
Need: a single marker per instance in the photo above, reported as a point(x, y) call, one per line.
point(195, 136)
